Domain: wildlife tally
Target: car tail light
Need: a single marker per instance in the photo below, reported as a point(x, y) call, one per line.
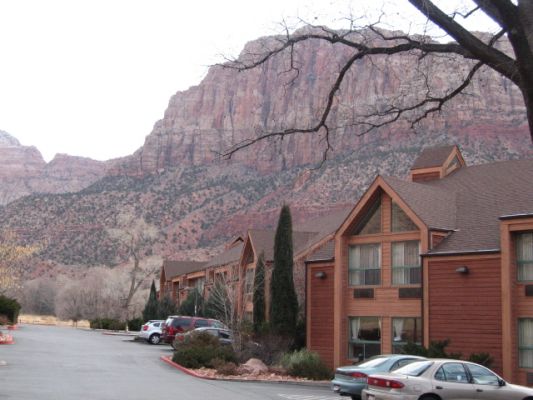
point(387, 383)
point(145, 327)
point(358, 375)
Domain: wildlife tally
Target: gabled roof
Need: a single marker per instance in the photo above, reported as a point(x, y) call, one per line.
point(324, 253)
point(434, 206)
point(469, 202)
point(174, 268)
point(433, 157)
point(325, 224)
point(484, 193)
point(228, 256)
point(263, 241)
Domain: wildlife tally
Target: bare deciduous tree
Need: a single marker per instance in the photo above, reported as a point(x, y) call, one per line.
point(136, 237)
point(473, 52)
point(12, 261)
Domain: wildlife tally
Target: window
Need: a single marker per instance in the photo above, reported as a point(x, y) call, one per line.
point(525, 342)
point(524, 256)
point(405, 330)
point(365, 264)
point(249, 281)
point(452, 372)
point(406, 263)
point(199, 284)
point(400, 221)
point(483, 376)
point(371, 222)
point(199, 323)
point(365, 337)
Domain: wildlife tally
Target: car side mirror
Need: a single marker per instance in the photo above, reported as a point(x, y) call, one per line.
point(501, 382)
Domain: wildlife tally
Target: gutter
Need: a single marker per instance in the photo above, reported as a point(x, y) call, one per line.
point(461, 252)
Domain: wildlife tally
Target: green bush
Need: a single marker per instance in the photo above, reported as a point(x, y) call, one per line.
point(481, 358)
point(306, 364)
point(107, 323)
point(135, 324)
point(10, 308)
point(201, 350)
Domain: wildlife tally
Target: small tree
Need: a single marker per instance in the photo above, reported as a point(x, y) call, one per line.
point(166, 307)
point(9, 308)
point(151, 309)
point(193, 305)
point(259, 294)
point(284, 304)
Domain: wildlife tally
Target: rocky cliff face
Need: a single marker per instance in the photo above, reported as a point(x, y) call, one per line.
point(195, 202)
point(23, 171)
point(229, 107)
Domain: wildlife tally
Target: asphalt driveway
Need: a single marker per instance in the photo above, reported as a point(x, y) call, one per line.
point(58, 363)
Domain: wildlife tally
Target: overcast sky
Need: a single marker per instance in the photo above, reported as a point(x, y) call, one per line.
point(90, 78)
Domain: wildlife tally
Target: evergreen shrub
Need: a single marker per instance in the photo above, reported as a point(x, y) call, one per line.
point(10, 308)
point(201, 350)
point(306, 364)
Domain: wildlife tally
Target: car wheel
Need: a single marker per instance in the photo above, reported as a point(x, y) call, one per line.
point(155, 339)
point(429, 397)
point(355, 397)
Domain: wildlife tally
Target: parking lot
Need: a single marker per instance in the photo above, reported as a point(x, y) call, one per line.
point(59, 363)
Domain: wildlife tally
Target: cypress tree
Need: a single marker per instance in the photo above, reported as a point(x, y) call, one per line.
point(259, 293)
point(284, 304)
point(151, 308)
point(166, 307)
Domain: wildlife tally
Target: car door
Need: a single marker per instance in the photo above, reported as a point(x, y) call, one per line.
point(487, 385)
point(451, 382)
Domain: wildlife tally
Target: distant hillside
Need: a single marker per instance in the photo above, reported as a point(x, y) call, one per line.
point(23, 171)
point(197, 202)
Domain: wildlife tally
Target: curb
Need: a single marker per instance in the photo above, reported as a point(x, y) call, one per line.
point(9, 340)
point(119, 333)
point(168, 360)
point(12, 327)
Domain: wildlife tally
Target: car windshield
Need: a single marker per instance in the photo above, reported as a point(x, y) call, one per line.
point(372, 362)
point(416, 368)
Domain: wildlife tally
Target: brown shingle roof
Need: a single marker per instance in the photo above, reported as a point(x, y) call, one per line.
point(325, 224)
point(263, 241)
point(226, 257)
point(324, 253)
point(432, 157)
point(435, 206)
point(483, 194)
point(470, 202)
point(174, 268)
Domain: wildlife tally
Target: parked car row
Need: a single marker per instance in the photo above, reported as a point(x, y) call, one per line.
point(405, 377)
point(177, 327)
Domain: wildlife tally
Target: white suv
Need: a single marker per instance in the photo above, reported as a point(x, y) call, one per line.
point(151, 331)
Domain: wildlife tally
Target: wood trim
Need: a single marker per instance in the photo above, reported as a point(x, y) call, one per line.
point(384, 237)
point(507, 227)
point(426, 170)
point(465, 257)
point(196, 275)
point(338, 306)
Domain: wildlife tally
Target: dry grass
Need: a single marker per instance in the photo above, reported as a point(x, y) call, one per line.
point(50, 320)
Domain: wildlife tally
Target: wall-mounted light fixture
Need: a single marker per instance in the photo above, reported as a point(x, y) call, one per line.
point(462, 270)
point(320, 275)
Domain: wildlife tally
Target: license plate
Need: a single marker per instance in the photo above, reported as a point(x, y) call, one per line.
point(336, 388)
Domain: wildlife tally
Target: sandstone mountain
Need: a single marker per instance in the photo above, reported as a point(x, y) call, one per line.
point(196, 201)
point(23, 171)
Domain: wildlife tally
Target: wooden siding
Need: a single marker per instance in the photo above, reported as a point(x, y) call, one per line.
point(515, 303)
point(466, 308)
point(425, 176)
point(320, 312)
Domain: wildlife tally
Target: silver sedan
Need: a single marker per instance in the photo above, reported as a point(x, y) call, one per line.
point(443, 379)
